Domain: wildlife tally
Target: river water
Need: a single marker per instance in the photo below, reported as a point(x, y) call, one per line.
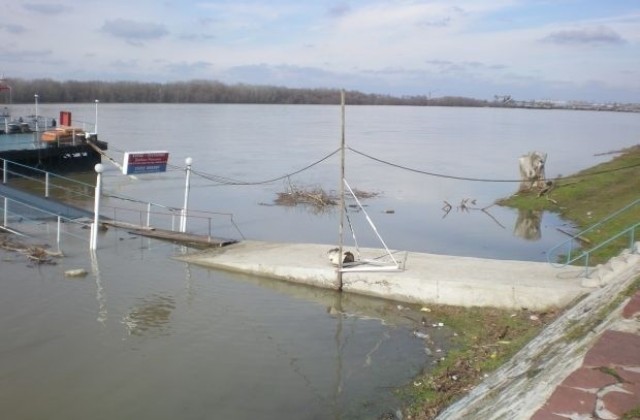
point(145, 336)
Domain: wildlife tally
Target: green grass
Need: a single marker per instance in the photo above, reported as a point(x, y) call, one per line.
point(589, 196)
point(485, 339)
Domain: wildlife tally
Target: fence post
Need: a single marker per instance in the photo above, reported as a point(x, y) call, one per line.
point(6, 211)
point(4, 171)
point(148, 214)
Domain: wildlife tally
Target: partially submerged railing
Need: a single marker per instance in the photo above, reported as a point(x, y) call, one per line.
point(571, 251)
point(139, 212)
point(29, 223)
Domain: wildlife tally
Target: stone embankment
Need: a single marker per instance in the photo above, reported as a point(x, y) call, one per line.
point(585, 365)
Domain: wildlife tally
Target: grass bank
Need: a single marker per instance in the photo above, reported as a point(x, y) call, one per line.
point(486, 338)
point(589, 196)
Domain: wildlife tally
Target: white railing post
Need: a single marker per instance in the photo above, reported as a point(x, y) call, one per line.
point(148, 214)
point(46, 184)
point(183, 222)
point(58, 233)
point(6, 211)
point(96, 210)
point(4, 171)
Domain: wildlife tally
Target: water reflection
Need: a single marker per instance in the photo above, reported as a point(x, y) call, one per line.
point(101, 297)
point(150, 317)
point(528, 225)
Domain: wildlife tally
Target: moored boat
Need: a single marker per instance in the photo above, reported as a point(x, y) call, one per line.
point(64, 134)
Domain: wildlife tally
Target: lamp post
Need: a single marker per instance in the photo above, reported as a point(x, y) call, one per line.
point(96, 209)
point(96, 127)
point(36, 98)
point(183, 221)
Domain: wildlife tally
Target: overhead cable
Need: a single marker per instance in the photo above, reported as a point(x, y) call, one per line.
point(228, 181)
point(464, 178)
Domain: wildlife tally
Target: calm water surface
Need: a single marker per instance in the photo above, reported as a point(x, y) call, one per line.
point(254, 143)
point(145, 336)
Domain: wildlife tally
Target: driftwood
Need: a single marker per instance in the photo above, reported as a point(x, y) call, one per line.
point(579, 238)
point(468, 204)
point(315, 197)
point(34, 253)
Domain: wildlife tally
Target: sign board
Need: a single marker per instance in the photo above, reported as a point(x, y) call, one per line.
point(145, 162)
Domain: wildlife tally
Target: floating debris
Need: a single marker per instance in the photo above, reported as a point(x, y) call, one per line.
point(76, 272)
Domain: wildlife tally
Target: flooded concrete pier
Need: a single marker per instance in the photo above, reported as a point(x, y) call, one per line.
point(425, 279)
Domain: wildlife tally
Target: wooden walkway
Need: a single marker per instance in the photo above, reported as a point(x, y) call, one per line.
point(192, 239)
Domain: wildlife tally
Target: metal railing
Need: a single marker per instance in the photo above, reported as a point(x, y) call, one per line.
point(26, 220)
point(134, 211)
point(571, 251)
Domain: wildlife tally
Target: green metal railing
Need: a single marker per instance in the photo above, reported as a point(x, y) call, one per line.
point(570, 251)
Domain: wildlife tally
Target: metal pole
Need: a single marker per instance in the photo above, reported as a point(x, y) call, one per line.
point(36, 98)
point(4, 171)
point(58, 233)
point(341, 228)
point(46, 184)
point(6, 211)
point(96, 127)
point(96, 209)
point(183, 222)
point(148, 214)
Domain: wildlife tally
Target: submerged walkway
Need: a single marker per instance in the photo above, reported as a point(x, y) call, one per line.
point(426, 278)
point(48, 205)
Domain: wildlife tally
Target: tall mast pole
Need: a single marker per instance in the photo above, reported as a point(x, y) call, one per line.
point(341, 189)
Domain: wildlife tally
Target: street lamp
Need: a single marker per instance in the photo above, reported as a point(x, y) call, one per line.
point(183, 222)
point(96, 209)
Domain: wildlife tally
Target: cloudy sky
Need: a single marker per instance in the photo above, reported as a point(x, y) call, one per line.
point(529, 49)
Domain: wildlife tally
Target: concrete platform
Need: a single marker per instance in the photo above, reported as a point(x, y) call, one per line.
point(426, 278)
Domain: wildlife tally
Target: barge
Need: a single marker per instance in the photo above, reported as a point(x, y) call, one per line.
point(39, 142)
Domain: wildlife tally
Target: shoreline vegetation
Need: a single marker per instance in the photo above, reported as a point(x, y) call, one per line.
point(215, 92)
point(487, 338)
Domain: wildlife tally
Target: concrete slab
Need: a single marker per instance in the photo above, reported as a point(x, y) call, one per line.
point(426, 278)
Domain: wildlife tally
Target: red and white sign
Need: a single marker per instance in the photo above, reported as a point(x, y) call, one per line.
point(145, 162)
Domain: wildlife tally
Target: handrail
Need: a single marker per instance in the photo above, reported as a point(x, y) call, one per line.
point(196, 214)
point(569, 243)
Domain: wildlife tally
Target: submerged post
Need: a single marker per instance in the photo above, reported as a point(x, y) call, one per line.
point(341, 228)
point(183, 221)
point(96, 209)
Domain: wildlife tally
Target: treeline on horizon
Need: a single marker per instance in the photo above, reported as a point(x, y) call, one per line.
point(204, 91)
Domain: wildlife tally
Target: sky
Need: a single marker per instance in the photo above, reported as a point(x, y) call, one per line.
point(583, 50)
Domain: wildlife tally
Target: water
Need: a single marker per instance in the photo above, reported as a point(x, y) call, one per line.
point(145, 336)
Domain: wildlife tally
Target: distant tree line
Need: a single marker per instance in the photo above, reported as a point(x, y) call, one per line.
point(204, 91)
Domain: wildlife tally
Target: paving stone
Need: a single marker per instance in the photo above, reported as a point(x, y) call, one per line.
point(544, 414)
point(619, 403)
point(632, 308)
point(631, 376)
point(614, 348)
point(570, 400)
point(588, 378)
